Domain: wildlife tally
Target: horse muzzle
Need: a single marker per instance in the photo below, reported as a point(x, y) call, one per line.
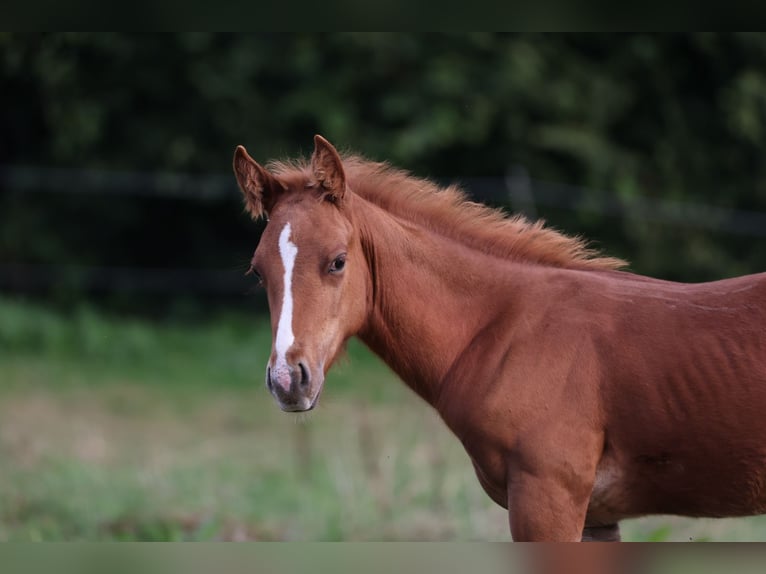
point(293, 386)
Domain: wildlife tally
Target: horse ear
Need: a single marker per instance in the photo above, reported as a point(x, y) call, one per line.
point(259, 187)
point(328, 169)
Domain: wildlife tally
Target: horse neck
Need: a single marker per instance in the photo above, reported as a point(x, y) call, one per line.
point(430, 296)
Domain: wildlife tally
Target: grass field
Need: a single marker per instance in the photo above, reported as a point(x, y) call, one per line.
point(128, 429)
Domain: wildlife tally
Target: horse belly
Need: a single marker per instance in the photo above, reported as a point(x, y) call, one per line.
point(730, 484)
point(727, 485)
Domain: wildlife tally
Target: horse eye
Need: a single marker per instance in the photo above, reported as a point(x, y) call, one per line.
point(338, 264)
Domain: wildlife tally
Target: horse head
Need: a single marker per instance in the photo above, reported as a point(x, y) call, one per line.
point(312, 266)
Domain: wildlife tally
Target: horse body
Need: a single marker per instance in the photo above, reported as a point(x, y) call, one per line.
point(583, 394)
point(658, 402)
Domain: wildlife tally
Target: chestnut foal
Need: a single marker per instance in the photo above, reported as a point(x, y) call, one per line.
point(582, 394)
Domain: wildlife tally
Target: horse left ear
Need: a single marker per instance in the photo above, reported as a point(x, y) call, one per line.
point(328, 169)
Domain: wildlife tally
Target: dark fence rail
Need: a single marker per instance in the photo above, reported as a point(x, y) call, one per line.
point(517, 191)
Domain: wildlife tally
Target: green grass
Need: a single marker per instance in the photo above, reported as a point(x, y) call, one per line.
point(114, 428)
point(128, 429)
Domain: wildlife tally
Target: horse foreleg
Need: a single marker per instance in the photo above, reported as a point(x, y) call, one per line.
point(543, 508)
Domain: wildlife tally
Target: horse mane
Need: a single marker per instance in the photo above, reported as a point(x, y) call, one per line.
point(448, 212)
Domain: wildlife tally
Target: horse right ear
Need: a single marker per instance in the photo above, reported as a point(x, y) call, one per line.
point(328, 169)
point(259, 187)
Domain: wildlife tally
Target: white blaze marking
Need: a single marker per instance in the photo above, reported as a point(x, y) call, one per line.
point(285, 338)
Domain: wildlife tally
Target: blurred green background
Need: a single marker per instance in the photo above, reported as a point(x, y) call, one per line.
point(132, 349)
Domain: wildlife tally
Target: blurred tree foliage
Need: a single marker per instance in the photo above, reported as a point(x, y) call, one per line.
point(679, 117)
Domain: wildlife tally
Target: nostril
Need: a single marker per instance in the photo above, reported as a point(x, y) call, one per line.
point(304, 381)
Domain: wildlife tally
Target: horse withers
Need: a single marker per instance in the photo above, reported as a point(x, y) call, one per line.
point(583, 394)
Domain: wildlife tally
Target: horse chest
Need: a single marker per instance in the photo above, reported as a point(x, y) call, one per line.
point(492, 480)
point(490, 464)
